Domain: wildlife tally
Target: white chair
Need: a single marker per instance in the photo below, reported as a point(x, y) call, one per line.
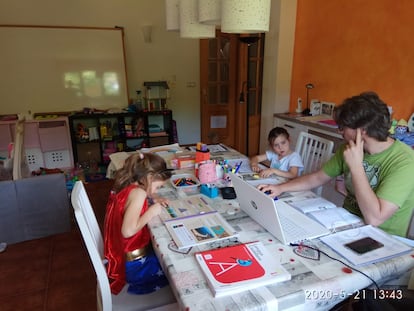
point(18, 149)
point(162, 300)
point(315, 151)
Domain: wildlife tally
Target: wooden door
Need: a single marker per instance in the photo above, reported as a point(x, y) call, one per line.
point(254, 94)
point(218, 61)
point(230, 84)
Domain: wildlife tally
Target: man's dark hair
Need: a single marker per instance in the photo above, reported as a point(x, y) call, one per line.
point(366, 111)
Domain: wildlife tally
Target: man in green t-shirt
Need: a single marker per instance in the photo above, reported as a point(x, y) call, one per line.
point(378, 170)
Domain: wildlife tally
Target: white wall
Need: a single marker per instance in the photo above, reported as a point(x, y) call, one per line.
point(277, 69)
point(167, 57)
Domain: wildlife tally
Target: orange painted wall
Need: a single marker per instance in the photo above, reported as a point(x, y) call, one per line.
point(345, 47)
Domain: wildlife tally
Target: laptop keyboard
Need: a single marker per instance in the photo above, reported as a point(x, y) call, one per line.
point(291, 229)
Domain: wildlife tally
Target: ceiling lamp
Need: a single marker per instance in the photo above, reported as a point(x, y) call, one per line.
point(189, 25)
point(245, 16)
point(172, 15)
point(209, 12)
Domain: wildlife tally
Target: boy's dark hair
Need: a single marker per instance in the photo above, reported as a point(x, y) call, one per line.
point(275, 132)
point(366, 111)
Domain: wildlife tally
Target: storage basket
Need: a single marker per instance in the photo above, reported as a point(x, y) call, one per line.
point(185, 182)
point(34, 159)
point(58, 159)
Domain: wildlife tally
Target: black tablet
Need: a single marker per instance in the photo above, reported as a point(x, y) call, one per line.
point(364, 245)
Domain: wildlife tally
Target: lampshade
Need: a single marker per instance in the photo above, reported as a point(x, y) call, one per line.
point(209, 12)
point(245, 16)
point(172, 15)
point(189, 25)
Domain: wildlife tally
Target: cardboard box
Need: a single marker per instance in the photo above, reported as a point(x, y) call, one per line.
point(185, 161)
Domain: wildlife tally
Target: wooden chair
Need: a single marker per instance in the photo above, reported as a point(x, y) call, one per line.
point(162, 300)
point(315, 151)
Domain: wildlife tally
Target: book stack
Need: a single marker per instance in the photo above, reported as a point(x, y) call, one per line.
point(238, 268)
point(324, 211)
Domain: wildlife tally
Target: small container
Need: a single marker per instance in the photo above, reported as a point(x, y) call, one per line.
point(202, 156)
point(185, 161)
point(185, 182)
point(207, 172)
point(210, 191)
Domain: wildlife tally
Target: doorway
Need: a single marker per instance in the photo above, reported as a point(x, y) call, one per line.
point(231, 69)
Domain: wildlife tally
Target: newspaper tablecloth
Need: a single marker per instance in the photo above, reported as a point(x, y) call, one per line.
point(315, 284)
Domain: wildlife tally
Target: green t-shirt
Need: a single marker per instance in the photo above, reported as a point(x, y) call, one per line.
point(391, 176)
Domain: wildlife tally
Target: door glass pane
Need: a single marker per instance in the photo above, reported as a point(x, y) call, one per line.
point(224, 48)
point(259, 102)
point(224, 94)
point(212, 48)
point(252, 74)
point(251, 103)
point(212, 94)
point(253, 49)
point(212, 72)
point(224, 72)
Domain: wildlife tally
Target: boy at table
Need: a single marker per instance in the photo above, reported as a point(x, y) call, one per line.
point(284, 161)
point(378, 170)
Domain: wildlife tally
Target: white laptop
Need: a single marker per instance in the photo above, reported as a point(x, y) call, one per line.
point(286, 223)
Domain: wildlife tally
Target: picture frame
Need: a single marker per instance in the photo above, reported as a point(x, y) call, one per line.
point(327, 108)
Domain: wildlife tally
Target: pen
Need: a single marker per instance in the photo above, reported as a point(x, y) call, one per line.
point(238, 167)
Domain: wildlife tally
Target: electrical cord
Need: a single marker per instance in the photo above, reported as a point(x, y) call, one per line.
point(333, 258)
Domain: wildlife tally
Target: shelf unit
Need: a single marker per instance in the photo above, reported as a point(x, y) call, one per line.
point(96, 136)
point(156, 95)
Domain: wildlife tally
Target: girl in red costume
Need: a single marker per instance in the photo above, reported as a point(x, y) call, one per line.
point(127, 239)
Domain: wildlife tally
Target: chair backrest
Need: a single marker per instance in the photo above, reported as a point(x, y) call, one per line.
point(410, 230)
point(315, 151)
point(18, 150)
point(92, 237)
point(161, 300)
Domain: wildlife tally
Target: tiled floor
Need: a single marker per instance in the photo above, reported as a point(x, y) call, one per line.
point(52, 273)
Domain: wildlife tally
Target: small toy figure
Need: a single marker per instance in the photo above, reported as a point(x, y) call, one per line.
point(140, 127)
point(82, 133)
point(393, 126)
point(402, 127)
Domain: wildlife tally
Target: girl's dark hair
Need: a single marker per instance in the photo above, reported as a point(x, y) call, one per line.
point(275, 132)
point(366, 111)
point(138, 167)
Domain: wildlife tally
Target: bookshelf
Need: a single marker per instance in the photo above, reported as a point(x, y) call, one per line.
point(95, 136)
